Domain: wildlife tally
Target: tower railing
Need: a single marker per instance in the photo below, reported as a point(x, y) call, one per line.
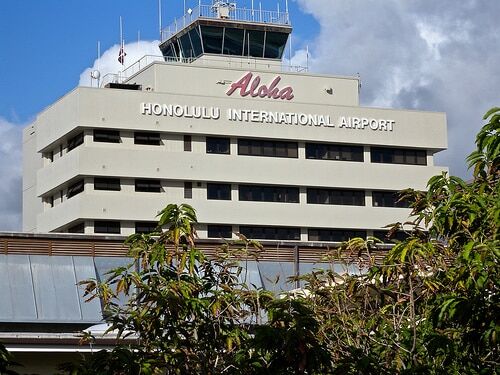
point(239, 63)
point(235, 14)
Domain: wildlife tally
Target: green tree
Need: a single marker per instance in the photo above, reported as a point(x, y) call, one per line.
point(431, 307)
point(6, 362)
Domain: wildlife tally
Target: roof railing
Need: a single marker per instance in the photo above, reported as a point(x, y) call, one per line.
point(241, 63)
point(234, 14)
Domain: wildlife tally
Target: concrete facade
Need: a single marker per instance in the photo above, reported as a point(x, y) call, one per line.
point(182, 104)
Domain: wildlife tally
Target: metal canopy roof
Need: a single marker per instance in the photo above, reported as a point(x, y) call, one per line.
point(43, 289)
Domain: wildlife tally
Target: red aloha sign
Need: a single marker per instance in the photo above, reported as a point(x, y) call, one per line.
point(248, 85)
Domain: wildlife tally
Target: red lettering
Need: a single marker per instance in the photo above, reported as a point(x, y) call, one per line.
point(248, 85)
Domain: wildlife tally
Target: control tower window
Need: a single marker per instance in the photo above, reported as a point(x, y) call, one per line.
point(169, 52)
point(233, 41)
point(275, 45)
point(194, 34)
point(187, 48)
point(256, 41)
point(212, 39)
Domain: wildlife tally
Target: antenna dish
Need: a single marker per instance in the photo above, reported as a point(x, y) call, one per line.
point(95, 74)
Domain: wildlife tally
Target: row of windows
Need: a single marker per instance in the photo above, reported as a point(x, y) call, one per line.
point(249, 231)
point(269, 148)
point(114, 227)
point(293, 233)
point(226, 41)
point(321, 151)
point(256, 193)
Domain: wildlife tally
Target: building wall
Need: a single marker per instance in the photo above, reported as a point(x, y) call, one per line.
point(86, 109)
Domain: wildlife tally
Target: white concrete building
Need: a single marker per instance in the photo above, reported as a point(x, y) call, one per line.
point(220, 123)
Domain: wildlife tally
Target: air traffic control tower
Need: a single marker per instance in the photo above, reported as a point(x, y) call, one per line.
point(222, 29)
point(221, 122)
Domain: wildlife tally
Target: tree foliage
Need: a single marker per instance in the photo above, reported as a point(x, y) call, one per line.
point(431, 307)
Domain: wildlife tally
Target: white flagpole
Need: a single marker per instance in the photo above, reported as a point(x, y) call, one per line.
point(121, 31)
point(159, 17)
point(97, 65)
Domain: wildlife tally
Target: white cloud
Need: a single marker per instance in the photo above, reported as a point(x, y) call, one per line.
point(108, 63)
point(10, 170)
point(421, 54)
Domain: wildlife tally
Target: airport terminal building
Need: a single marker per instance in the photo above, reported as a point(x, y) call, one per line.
point(220, 122)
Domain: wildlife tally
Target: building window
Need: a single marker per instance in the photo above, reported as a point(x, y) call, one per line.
point(270, 233)
point(106, 183)
point(75, 189)
point(188, 190)
point(148, 186)
point(216, 145)
point(104, 135)
point(147, 138)
point(60, 150)
point(326, 151)
point(219, 191)
point(187, 143)
point(110, 227)
point(220, 231)
point(76, 141)
point(51, 156)
point(334, 235)
point(383, 235)
point(51, 201)
point(145, 226)
point(259, 193)
point(398, 156)
point(388, 199)
point(336, 196)
point(279, 149)
point(77, 228)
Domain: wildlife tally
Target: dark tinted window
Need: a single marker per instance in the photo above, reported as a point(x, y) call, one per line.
point(388, 199)
point(275, 44)
point(260, 193)
point(145, 226)
point(147, 138)
point(220, 231)
point(104, 183)
point(187, 143)
point(257, 147)
point(188, 190)
point(77, 228)
point(103, 135)
point(212, 39)
point(219, 191)
point(75, 189)
point(334, 235)
point(111, 227)
point(334, 152)
point(256, 43)
point(194, 34)
point(217, 145)
point(75, 141)
point(233, 41)
point(187, 48)
point(383, 235)
point(398, 156)
point(336, 196)
point(148, 186)
point(270, 233)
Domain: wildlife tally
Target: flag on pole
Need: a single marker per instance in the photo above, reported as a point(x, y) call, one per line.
point(122, 54)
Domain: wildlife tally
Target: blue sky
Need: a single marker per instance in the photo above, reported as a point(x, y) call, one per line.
point(436, 55)
point(47, 44)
